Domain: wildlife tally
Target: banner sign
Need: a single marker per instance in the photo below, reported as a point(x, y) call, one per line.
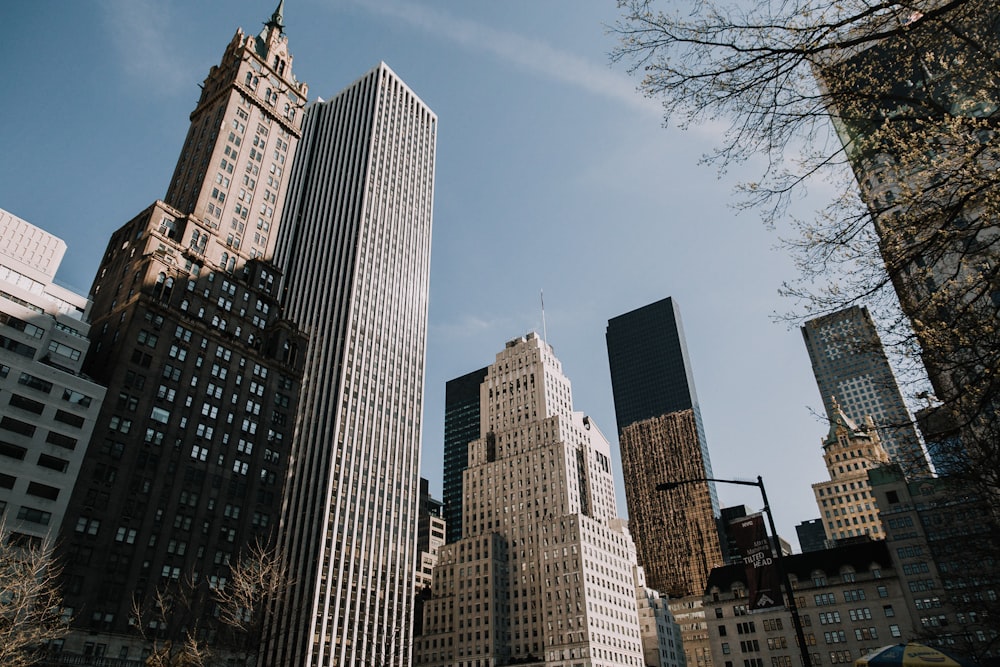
point(763, 582)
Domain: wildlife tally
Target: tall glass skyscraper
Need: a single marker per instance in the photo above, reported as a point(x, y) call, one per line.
point(852, 371)
point(355, 246)
point(662, 439)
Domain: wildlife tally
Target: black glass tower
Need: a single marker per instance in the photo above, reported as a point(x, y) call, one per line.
point(662, 439)
point(461, 426)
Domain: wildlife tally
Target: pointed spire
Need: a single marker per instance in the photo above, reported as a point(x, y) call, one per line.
point(277, 19)
point(839, 421)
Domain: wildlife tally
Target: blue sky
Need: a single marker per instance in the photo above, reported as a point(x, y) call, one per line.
point(553, 174)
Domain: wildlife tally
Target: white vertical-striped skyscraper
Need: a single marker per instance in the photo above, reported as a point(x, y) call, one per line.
point(355, 247)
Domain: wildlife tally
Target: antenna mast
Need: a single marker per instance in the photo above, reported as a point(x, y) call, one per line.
point(545, 334)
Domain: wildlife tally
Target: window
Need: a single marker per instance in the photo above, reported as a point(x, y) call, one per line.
point(71, 419)
point(894, 631)
point(862, 614)
point(76, 398)
point(52, 463)
point(26, 404)
point(60, 440)
point(33, 515)
point(56, 347)
point(17, 347)
point(17, 426)
point(35, 383)
point(43, 490)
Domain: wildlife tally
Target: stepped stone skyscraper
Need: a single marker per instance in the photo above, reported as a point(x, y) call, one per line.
point(545, 572)
point(853, 372)
point(192, 444)
point(355, 247)
point(662, 440)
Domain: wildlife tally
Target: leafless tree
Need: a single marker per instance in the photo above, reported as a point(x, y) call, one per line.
point(31, 610)
point(255, 582)
point(910, 162)
point(168, 621)
point(912, 88)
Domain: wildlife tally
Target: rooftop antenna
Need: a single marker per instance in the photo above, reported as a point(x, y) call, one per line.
point(545, 335)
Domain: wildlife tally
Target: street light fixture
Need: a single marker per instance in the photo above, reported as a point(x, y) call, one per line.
point(775, 548)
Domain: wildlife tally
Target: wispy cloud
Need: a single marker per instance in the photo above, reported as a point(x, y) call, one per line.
point(138, 30)
point(530, 54)
point(469, 326)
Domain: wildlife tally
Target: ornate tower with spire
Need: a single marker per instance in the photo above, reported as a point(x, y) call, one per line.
point(186, 466)
point(846, 502)
point(232, 173)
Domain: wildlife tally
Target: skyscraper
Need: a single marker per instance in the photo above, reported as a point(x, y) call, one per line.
point(48, 409)
point(916, 113)
point(192, 446)
point(662, 439)
point(853, 372)
point(461, 426)
point(545, 572)
point(355, 248)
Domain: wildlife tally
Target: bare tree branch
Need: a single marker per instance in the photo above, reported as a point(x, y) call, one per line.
point(31, 609)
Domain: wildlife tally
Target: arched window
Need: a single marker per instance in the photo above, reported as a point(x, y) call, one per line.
point(158, 287)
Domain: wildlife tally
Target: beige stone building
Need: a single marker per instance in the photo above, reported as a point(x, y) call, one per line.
point(545, 571)
point(846, 503)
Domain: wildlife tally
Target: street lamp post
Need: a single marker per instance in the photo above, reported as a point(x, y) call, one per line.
point(775, 548)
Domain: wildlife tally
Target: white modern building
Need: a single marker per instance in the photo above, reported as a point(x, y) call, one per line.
point(545, 571)
point(354, 245)
point(47, 409)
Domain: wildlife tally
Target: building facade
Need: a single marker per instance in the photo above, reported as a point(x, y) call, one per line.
point(461, 426)
point(812, 535)
point(662, 644)
point(850, 602)
point(545, 571)
point(853, 372)
point(188, 458)
point(846, 503)
point(48, 407)
point(944, 545)
point(916, 115)
point(431, 530)
point(662, 439)
point(355, 247)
